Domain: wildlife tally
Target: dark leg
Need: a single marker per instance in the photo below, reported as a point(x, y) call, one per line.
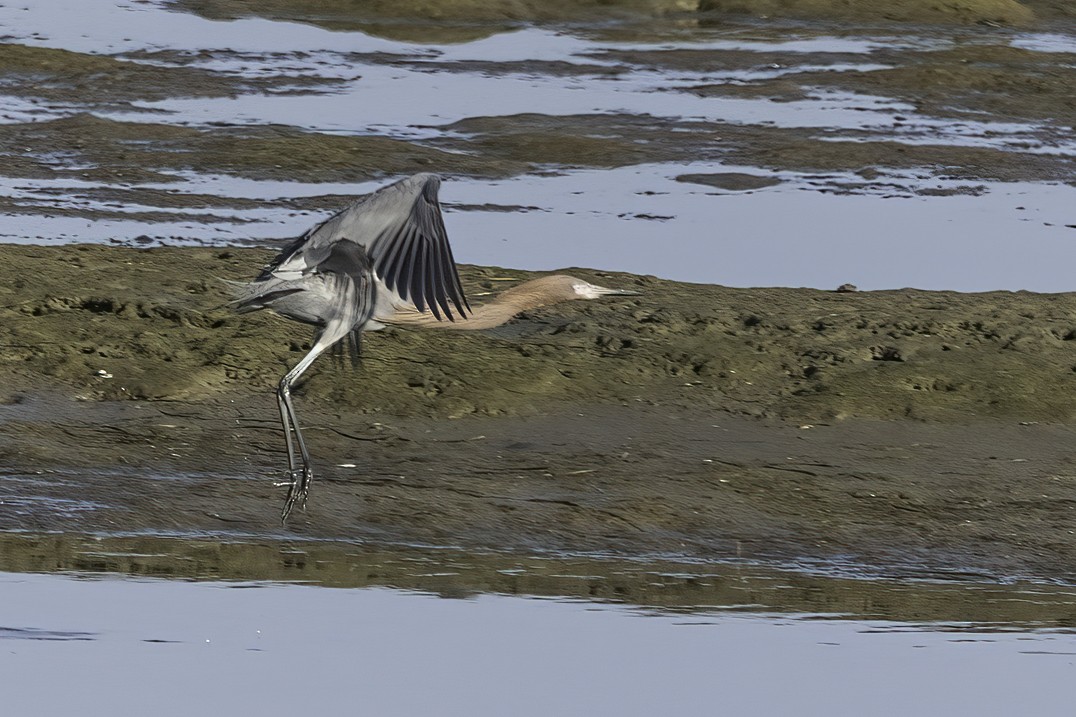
point(300, 476)
point(285, 420)
point(354, 343)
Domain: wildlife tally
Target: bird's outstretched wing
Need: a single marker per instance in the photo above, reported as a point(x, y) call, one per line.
point(402, 232)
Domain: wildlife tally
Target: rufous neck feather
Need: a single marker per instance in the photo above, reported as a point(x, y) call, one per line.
point(509, 303)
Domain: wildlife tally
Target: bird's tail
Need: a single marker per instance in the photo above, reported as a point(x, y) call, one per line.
point(250, 296)
point(243, 292)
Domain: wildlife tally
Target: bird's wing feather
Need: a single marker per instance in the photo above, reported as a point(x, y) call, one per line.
point(412, 256)
point(350, 300)
point(403, 233)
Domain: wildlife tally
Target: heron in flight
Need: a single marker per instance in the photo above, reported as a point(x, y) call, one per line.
point(384, 259)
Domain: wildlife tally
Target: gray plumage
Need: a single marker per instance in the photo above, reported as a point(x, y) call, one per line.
point(386, 253)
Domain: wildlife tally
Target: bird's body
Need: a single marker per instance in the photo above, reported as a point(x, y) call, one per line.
point(386, 250)
point(384, 259)
point(395, 238)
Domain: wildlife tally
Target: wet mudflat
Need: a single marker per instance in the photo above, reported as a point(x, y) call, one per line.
point(914, 432)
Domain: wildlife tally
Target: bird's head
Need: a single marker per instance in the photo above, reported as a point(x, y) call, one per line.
point(561, 287)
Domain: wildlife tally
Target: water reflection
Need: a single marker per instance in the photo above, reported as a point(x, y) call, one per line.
point(653, 586)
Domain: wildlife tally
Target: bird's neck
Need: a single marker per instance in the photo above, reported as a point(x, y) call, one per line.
point(493, 313)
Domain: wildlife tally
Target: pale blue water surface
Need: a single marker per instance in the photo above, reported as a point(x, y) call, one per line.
point(93, 645)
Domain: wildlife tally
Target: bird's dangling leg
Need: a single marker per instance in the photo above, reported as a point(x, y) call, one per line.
point(354, 350)
point(298, 476)
point(336, 351)
point(354, 343)
point(301, 475)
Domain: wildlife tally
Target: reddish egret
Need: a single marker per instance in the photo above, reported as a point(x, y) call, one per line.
point(384, 259)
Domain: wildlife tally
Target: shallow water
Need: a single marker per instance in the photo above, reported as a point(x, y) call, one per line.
point(817, 229)
point(123, 645)
point(651, 224)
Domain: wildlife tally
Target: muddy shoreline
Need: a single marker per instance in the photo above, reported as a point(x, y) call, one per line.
point(902, 433)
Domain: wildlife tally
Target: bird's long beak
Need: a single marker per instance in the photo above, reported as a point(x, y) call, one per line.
point(602, 291)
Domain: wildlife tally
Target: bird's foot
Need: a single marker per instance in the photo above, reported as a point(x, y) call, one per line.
point(298, 489)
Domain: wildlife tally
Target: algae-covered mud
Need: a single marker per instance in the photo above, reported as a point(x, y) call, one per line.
point(420, 14)
point(156, 320)
point(917, 432)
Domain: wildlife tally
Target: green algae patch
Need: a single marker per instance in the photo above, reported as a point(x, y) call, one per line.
point(437, 21)
point(617, 139)
point(103, 81)
point(103, 149)
point(1006, 82)
point(156, 322)
point(287, 153)
point(964, 12)
point(984, 78)
point(463, 20)
point(560, 149)
point(1055, 10)
point(968, 82)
